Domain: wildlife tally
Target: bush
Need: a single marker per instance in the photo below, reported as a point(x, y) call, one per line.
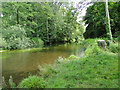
point(3, 42)
point(37, 42)
point(32, 82)
point(14, 37)
point(72, 57)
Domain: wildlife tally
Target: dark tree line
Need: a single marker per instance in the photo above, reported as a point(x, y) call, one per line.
point(95, 19)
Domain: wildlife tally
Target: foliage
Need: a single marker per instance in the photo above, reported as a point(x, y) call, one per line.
point(14, 37)
point(72, 57)
point(94, 50)
point(89, 42)
point(37, 42)
point(52, 22)
point(3, 42)
point(33, 82)
point(11, 83)
point(113, 47)
point(96, 17)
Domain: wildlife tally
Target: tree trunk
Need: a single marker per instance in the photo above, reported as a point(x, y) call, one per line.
point(17, 15)
point(108, 21)
point(47, 30)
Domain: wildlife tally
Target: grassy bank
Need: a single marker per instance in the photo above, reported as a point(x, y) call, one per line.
point(97, 69)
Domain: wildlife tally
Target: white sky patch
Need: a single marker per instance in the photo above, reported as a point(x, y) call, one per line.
point(83, 12)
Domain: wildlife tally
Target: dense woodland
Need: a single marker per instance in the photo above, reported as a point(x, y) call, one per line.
point(35, 23)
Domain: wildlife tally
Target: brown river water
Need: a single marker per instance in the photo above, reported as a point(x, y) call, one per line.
point(21, 65)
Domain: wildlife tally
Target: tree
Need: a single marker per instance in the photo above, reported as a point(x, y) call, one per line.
point(53, 22)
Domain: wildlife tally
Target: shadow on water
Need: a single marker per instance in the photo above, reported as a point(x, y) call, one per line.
point(19, 65)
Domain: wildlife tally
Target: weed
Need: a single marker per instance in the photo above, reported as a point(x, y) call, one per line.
point(33, 82)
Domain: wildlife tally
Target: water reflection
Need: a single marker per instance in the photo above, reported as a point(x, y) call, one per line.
point(29, 61)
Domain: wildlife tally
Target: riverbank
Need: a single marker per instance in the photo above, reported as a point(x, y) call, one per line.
point(97, 69)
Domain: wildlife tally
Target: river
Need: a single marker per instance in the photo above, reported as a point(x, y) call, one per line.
point(22, 64)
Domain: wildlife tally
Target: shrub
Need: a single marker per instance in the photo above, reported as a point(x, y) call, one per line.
point(2, 42)
point(37, 42)
point(15, 37)
point(32, 82)
point(73, 57)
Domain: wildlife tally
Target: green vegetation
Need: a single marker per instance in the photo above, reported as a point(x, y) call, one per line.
point(97, 69)
point(114, 47)
point(32, 24)
point(11, 83)
point(3, 82)
point(14, 37)
point(27, 26)
point(33, 82)
point(37, 42)
point(96, 16)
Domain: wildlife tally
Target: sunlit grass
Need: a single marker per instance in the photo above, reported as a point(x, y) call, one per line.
point(92, 71)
